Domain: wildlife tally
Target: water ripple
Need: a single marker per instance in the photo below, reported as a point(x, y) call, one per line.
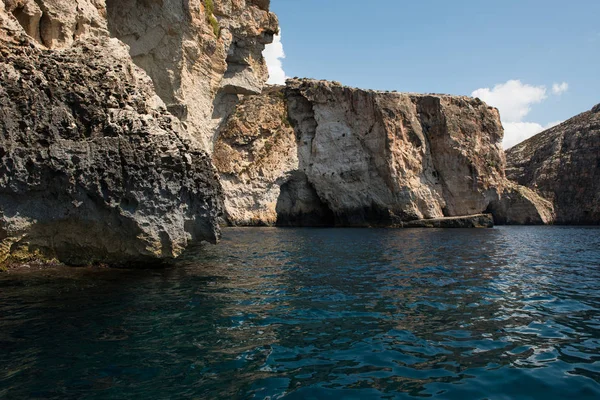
point(507, 313)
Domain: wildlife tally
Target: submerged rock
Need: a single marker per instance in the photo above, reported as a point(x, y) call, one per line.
point(562, 164)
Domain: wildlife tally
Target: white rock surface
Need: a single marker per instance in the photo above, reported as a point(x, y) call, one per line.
point(351, 157)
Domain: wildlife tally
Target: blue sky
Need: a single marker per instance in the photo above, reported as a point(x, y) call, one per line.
point(454, 47)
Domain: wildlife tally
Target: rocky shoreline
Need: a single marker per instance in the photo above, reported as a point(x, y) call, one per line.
point(131, 130)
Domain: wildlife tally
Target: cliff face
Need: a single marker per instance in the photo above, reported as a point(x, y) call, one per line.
point(200, 53)
point(563, 165)
point(317, 151)
point(112, 114)
point(94, 166)
point(387, 157)
point(519, 205)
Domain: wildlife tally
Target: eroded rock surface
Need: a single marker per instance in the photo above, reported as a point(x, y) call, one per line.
point(201, 54)
point(93, 168)
point(519, 205)
point(471, 221)
point(255, 153)
point(315, 152)
point(562, 164)
point(257, 157)
point(58, 24)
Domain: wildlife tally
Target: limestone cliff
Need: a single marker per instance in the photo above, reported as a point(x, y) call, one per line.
point(519, 205)
point(95, 166)
point(563, 165)
point(114, 114)
point(315, 152)
point(200, 53)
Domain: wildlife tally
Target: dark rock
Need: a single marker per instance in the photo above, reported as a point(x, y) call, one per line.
point(92, 167)
point(518, 205)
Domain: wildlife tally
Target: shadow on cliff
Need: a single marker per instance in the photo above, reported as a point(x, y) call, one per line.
point(299, 204)
point(156, 51)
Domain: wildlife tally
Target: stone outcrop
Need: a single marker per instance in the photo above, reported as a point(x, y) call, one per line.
point(471, 221)
point(519, 205)
point(57, 24)
point(109, 110)
point(93, 166)
point(318, 153)
point(562, 164)
point(200, 53)
point(257, 156)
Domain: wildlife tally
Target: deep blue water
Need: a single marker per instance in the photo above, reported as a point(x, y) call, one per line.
point(506, 313)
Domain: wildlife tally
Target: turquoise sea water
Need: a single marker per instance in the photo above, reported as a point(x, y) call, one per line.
point(506, 313)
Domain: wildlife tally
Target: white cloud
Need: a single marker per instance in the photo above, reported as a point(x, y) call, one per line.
point(274, 55)
point(560, 88)
point(516, 132)
point(514, 99)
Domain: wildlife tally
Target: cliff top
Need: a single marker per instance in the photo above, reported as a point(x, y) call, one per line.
point(307, 82)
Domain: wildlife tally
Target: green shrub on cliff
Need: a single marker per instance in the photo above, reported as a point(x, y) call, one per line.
point(210, 16)
point(210, 6)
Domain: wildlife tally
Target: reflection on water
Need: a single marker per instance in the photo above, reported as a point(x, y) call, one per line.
point(318, 313)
